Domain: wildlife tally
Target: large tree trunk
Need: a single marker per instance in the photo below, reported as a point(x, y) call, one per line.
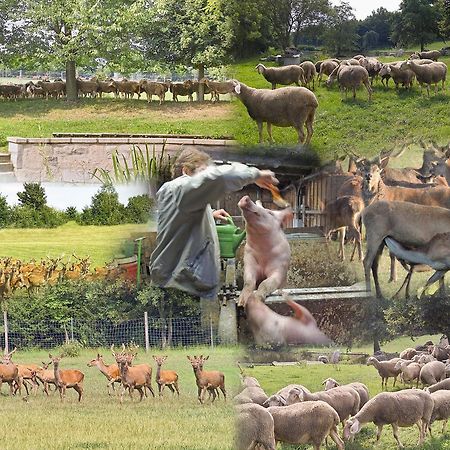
point(71, 82)
point(201, 86)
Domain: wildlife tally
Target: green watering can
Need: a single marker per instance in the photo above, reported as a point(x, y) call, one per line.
point(230, 237)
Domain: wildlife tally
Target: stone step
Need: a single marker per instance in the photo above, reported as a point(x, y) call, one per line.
point(5, 157)
point(6, 167)
point(7, 177)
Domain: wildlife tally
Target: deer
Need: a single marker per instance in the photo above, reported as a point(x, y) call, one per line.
point(67, 378)
point(207, 380)
point(111, 372)
point(9, 372)
point(164, 378)
point(133, 377)
point(45, 375)
point(26, 376)
point(407, 223)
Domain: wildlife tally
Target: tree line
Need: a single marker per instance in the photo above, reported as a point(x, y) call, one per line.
point(142, 35)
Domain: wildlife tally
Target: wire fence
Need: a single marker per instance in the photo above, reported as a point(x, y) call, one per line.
point(146, 332)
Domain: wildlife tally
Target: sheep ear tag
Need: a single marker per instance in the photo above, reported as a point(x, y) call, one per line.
point(237, 88)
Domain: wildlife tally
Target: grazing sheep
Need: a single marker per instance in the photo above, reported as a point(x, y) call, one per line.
point(306, 423)
point(431, 54)
point(410, 371)
point(408, 353)
point(432, 372)
point(152, 88)
point(284, 392)
point(351, 77)
point(360, 388)
point(254, 425)
point(402, 75)
point(310, 73)
point(183, 89)
point(327, 67)
point(428, 74)
point(399, 409)
point(282, 75)
point(386, 369)
point(217, 87)
point(372, 65)
point(442, 385)
point(251, 395)
point(441, 409)
point(275, 400)
point(284, 107)
point(345, 400)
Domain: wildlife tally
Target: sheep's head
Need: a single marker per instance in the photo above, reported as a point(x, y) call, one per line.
point(260, 68)
point(330, 383)
point(405, 65)
point(295, 395)
point(370, 361)
point(236, 87)
point(275, 400)
point(352, 426)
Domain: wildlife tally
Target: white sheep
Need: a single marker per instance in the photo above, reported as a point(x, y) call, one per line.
point(350, 77)
point(284, 107)
point(306, 423)
point(428, 74)
point(360, 388)
point(441, 409)
point(309, 71)
point(441, 385)
point(254, 425)
point(251, 395)
point(410, 371)
point(432, 372)
point(386, 369)
point(282, 75)
point(398, 409)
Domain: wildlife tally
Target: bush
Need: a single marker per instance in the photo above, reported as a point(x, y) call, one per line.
point(72, 213)
point(5, 212)
point(33, 196)
point(139, 209)
point(28, 217)
point(71, 349)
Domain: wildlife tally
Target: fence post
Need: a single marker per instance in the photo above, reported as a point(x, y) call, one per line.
point(5, 323)
point(211, 332)
point(71, 329)
point(147, 343)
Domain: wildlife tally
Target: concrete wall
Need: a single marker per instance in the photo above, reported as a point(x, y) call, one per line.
point(74, 159)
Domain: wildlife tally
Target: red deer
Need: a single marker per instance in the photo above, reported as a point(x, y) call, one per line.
point(164, 378)
point(111, 372)
point(67, 378)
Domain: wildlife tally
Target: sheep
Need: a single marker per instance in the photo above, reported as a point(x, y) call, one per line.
point(432, 372)
point(386, 369)
point(351, 77)
point(86, 87)
point(442, 385)
point(438, 352)
point(152, 88)
point(55, 89)
point(185, 88)
point(428, 74)
point(360, 388)
point(441, 409)
point(254, 425)
point(246, 380)
point(108, 86)
point(251, 395)
point(217, 87)
point(372, 65)
point(284, 107)
point(344, 399)
point(423, 359)
point(303, 423)
point(431, 54)
point(408, 353)
point(284, 392)
point(399, 409)
point(275, 400)
point(410, 371)
point(327, 67)
point(401, 75)
point(310, 72)
point(385, 72)
point(282, 75)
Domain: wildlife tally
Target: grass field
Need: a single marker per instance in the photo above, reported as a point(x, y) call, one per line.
point(101, 243)
point(100, 422)
point(273, 378)
point(355, 125)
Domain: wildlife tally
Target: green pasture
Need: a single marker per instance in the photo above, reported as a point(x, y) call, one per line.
point(273, 378)
point(390, 119)
point(101, 243)
point(100, 422)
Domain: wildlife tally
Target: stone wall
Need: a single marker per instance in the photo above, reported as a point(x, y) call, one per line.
point(74, 159)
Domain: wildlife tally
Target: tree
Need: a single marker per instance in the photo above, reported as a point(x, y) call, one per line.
point(139, 208)
point(340, 35)
point(5, 211)
point(33, 196)
point(105, 208)
point(72, 32)
point(381, 22)
point(189, 33)
point(370, 39)
point(416, 23)
point(444, 22)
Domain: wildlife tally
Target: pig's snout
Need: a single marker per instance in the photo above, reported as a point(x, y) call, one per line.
point(245, 202)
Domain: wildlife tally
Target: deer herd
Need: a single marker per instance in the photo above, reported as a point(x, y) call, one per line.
point(407, 210)
point(123, 372)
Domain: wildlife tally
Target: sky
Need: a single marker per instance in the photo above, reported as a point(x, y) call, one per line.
point(363, 8)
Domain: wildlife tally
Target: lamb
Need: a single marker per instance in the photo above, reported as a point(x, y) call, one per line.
point(410, 371)
point(303, 423)
point(327, 67)
point(401, 75)
point(284, 107)
point(442, 385)
point(428, 74)
point(345, 400)
point(282, 75)
point(310, 73)
point(254, 425)
point(360, 388)
point(386, 369)
point(399, 409)
point(441, 409)
point(251, 395)
point(432, 372)
point(351, 77)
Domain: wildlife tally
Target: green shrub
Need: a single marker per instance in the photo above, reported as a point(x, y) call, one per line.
point(28, 217)
point(5, 212)
point(71, 349)
point(33, 196)
point(105, 208)
point(139, 209)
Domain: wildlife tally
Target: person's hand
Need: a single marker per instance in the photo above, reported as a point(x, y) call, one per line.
point(266, 178)
point(220, 214)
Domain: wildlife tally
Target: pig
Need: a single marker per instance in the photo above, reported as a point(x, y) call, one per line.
point(271, 328)
point(267, 252)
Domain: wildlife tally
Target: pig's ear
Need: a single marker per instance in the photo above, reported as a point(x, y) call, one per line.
point(301, 313)
point(284, 216)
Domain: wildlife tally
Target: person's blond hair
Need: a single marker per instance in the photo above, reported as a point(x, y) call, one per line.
point(190, 160)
